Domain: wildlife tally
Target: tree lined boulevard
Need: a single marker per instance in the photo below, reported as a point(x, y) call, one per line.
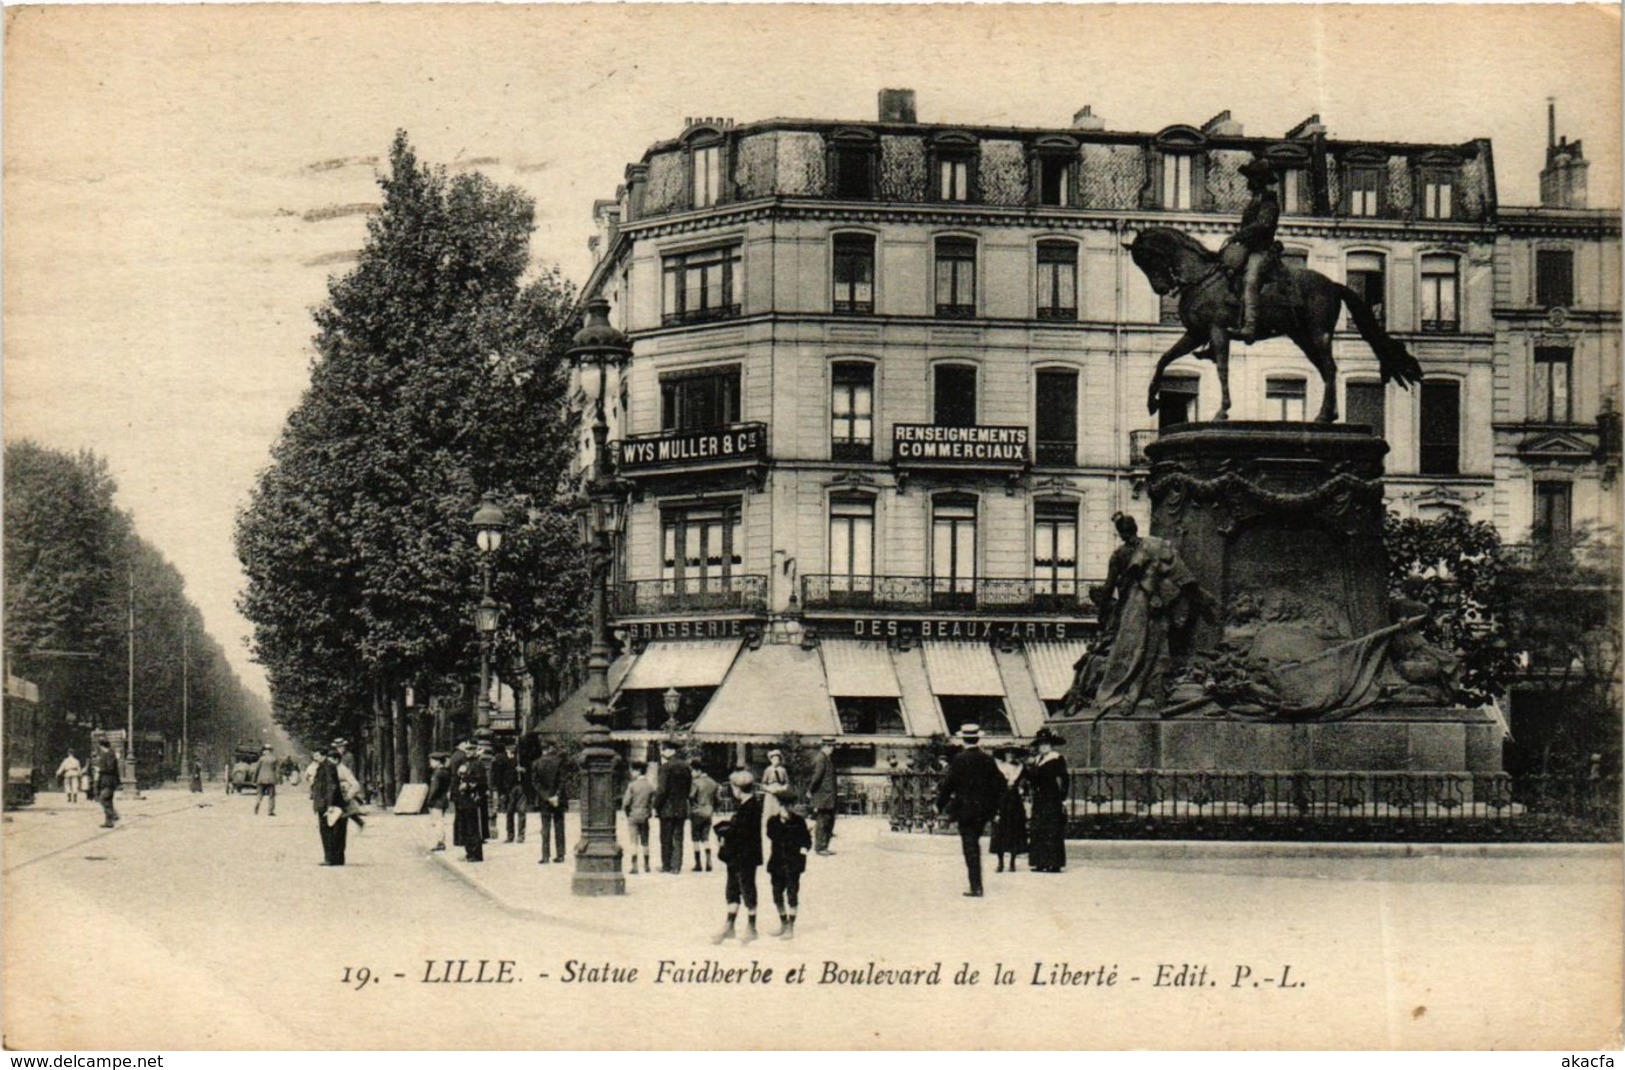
point(240, 939)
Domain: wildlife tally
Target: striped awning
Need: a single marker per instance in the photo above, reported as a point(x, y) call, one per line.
point(856, 669)
point(962, 669)
point(1051, 664)
point(691, 663)
point(775, 689)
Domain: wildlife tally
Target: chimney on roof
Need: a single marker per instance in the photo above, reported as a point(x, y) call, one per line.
point(897, 106)
point(1086, 119)
point(1221, 125)
point(1563, 182)
point(1308, 128)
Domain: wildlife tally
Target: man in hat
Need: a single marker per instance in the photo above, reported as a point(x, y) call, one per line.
point(1254, 242)
point(439, 797)
point(970, 794)
point(547, 788)
point(328, 800)
point(265, 778)
point(107, 781)
point(822, 793)
point(741, 852)
point(342, 754)
point(672, 784)
point(504, 779)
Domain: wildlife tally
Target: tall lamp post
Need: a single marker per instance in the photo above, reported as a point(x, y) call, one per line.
point(598, 856)
point(489, 522)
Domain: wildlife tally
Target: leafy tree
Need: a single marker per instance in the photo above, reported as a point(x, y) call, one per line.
point(438, 378)
point(1562, 618)
point(1455, 566)
point(75, 567)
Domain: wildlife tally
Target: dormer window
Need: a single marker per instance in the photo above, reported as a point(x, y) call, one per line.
point(1365, 175)
point(1438, 195)
point(1291, 162)
point(1436, 176)
point(1053, 162)
point(1178, 169)
point(1176, 182)
point(853, 164)
point(707, 163)
point(953, 168)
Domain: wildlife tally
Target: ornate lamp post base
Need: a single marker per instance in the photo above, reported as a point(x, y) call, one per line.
point(598, 855)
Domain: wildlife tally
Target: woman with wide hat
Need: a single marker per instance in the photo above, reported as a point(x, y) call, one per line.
point(1048, 781)
point(1010, 823)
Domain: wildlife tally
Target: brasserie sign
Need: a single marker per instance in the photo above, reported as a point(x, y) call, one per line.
point(985, 445)
point(682, 449)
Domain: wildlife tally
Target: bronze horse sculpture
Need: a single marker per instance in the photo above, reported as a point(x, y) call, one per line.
point(1296, 303)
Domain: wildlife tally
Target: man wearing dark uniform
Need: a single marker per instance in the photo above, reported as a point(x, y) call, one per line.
point(1253, 243)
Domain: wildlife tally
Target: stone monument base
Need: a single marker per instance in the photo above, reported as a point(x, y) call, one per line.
point(1393, 739)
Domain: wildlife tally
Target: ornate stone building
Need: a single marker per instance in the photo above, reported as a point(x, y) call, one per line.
point(889, 388)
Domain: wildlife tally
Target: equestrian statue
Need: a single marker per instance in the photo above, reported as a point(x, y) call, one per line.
point(1276, 299)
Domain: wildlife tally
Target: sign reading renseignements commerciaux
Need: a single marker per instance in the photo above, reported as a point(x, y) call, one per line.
point(981, 444)
point(671, 449)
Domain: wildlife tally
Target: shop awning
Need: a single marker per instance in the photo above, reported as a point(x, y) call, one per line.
point(570, 716)
point(962, 669)
point(691, 663)
point(775, 689)
point(857, 669)
point(1051, 665)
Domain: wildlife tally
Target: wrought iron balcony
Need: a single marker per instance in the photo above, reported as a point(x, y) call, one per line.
point(696, 594)
point(996, 597)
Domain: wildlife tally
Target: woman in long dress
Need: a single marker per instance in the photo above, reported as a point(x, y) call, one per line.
point(775, 781)
point(1047, 779)
point(1010, 823)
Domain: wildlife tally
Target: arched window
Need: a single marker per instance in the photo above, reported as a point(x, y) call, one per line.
point(953, 551)
point(1367, 275)
point(1057, 297)
point(852, 411)
point(853, 271)
point(956, 277)
point(1441, 310)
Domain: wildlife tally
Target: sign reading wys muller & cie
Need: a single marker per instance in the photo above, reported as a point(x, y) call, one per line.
point(983, 445)
point(718, 447)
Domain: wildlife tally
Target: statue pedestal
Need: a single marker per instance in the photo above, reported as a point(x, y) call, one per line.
point(1281, 524)
point(1446, 739)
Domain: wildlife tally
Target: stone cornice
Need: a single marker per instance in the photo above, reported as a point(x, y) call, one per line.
point(972, 216)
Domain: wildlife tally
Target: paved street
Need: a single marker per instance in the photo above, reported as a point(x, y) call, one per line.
point(196, 924)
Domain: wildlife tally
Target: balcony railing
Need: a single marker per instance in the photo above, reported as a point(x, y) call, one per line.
point(708, 594)
point(996, 597)
point(1057, 453)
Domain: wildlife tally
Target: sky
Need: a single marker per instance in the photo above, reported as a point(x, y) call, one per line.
point(181, 182)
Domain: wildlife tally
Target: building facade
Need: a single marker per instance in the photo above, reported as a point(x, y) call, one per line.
point(889, 384)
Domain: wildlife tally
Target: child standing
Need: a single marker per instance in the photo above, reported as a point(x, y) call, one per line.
point(638, 805)
point(741, 852)
point(788, 833)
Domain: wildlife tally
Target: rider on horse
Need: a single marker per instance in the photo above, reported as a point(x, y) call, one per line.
point(1251, 247)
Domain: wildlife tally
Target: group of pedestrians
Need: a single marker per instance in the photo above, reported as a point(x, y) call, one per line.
point(979, 789)
point(100, 777)
point(768, 810)
point(482, 779)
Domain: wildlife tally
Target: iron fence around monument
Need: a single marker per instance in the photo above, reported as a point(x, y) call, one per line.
point(1320, 806)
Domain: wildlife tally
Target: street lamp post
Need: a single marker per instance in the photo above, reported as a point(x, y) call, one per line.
point(489, 523)
point(598, 855)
